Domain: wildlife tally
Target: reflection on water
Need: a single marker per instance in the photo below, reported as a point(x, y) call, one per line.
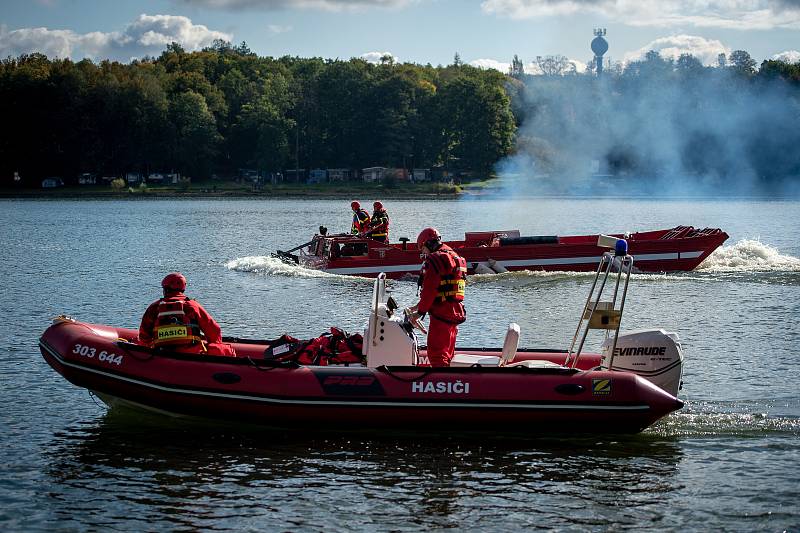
point(129, 465)
point(726, 462)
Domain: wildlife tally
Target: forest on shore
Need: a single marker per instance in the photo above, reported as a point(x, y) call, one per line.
point(214, 111)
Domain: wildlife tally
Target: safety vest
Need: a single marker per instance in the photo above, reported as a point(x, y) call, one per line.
point(380, 218)
point(360, 221)
point(176, 323)
point(452, 269)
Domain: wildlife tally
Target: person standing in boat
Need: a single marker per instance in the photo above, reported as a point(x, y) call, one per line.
point(360, 219)
point(179, 323)
point(443, 280)
point(379, 223)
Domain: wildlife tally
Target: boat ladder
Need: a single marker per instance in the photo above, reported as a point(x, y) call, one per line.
point(599, 314)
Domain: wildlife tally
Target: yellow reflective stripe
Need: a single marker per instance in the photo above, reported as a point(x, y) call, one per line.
point(457, 290)
point(191, 339)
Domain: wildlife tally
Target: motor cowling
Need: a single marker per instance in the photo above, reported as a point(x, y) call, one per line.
point(654, 354)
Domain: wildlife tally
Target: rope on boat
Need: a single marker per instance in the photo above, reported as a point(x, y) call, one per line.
point(385, 370)
point(267, 365)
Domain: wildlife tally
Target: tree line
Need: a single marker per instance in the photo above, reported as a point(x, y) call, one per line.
point(224, 108)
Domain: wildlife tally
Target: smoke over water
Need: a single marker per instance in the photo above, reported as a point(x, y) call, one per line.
point(656, 129)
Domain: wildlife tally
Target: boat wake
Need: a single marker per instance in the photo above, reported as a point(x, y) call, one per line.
point(749, 256)
point(745, 257)
point(272, 266)
point(726, 418)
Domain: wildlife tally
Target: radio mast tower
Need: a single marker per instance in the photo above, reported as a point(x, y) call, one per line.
point(599, 47)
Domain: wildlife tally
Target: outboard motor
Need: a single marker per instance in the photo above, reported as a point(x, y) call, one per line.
point(653, 354)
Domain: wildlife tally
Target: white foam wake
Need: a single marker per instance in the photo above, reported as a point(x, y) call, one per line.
point(273, 266)
point(749, 256)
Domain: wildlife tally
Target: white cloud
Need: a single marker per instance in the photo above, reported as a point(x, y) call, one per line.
point(706, 50)
point(491, 63)
point(789, 56)
point(275, 28)
point(326, 5)
point(147, 35)
point(375, 57)
point(529, 68)
point(735, 14)
point(53, 43)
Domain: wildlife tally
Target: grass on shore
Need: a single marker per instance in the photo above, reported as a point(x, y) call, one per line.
point(216, 188)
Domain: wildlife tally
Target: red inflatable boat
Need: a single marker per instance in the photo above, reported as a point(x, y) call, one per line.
point(500, 390)
point(681, 248)
point(248, 388)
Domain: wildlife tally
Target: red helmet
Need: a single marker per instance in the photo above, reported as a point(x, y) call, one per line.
point(426, 235)
point(355, 205)
point(377, 205)
point(174, 281)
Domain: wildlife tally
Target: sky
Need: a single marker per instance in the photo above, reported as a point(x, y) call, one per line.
point(486, 33)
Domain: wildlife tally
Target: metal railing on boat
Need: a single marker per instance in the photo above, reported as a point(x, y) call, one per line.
point(603, 315)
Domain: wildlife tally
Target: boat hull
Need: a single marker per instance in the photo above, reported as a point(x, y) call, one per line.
point(675, 249)
point(246, 389)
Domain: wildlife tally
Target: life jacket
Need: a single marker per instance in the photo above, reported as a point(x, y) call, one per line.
point(452, 270)
point(336, 347)
point(360, 221)
point(380, 218)
point(176, 323)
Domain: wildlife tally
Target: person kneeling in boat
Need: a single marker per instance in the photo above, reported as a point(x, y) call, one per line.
point(178, 323)
point(379, 223)
point(443, 279)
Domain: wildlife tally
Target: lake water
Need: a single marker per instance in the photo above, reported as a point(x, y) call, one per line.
point(730, 460)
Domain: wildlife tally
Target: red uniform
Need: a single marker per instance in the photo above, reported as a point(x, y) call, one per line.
point(379, 226)
point(444, 277)
point(176, 322)
point(360, 221)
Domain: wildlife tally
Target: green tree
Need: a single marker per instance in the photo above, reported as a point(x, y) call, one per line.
point(688, 64)
point(517, 69)
point(478, 127)
point(741, 62)
point(194, 133)
point(261, 130)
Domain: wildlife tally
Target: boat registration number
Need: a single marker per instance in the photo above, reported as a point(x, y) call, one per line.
point(90, 353)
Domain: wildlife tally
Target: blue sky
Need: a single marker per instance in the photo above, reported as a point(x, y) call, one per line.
point(484, 32)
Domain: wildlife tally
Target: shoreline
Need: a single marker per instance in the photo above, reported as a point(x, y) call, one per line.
point(227, 190)
point(212, 195)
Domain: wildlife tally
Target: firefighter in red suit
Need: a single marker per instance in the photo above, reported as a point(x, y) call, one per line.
point(360, 219)
point(379, 223)
point(176, 322)
point(443, 279)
